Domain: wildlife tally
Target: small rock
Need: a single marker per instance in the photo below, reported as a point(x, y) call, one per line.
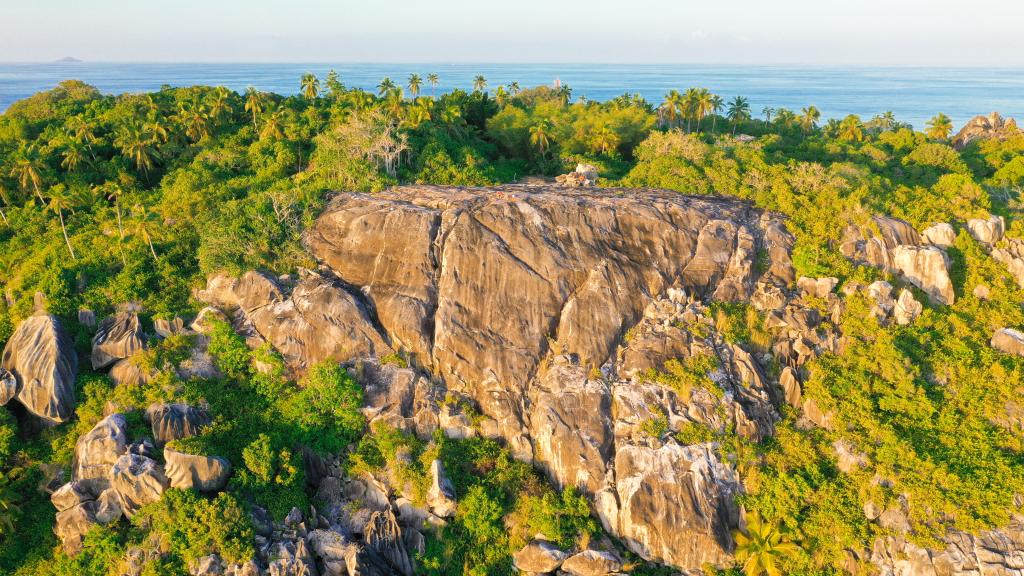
point(1008, 340)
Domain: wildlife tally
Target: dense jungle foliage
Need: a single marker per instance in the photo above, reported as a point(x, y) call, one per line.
point(136, 198)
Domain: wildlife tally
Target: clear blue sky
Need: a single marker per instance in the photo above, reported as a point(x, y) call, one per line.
point(901, 32)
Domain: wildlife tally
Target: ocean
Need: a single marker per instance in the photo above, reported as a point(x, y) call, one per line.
point(913, 94)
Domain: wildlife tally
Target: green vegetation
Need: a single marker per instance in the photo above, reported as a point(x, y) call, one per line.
point(136, 198)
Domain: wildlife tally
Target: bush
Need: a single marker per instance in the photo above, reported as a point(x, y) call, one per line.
point(194, 526)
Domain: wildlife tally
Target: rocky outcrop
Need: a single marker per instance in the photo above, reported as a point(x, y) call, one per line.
point(175, 421)
point(897, 248)
point(201, 473)
point(985, 127)
point(315, 319)
point(118, 337)
point(995, 552)
point(441, 268)
point(41, 358)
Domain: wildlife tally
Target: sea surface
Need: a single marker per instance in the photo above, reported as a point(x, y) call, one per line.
point(913, 94)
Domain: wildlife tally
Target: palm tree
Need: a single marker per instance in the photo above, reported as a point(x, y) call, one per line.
point(156, 131)
point(60, 200)
point(768, 111)
point(414, 84)
point(479, 83)
point(333, 83)
point(889, 119)
point(851, 129)
point(809, 117)
point(28, 169)
point(433, 80)
point(220, 105)
point(940, 127)
point(701, 104)
point(254, 103)
point(785, 117)
point(501, 96)
point(138, 147)
point(195, 118)
point(145, 225)
point(605, 140)
point(671, 107)
point(310, 86)
point(739, 111)
point(763, 548)
point(564, 94)
point(514, 89)
point(717, 104)
point(273, 125)
point(419, 112)
point(385, 86)
point(73, 154)
point(112, 191)
point(689, 105)
point(540, 136)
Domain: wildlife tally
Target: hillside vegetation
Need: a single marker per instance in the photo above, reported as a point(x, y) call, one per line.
point(138, 198)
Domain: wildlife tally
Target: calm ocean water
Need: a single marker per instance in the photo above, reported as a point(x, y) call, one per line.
point(913, 94)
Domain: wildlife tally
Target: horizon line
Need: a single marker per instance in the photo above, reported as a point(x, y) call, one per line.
point(514, 63)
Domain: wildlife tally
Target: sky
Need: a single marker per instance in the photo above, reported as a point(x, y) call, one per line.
point(813, 32)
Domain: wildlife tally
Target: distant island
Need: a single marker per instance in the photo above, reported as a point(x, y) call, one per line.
point(66, 59)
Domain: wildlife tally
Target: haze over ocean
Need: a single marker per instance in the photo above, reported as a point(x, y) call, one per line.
point(913, 94)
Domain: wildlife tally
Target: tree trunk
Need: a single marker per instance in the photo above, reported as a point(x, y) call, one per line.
point(60, 215)
point(151, 250)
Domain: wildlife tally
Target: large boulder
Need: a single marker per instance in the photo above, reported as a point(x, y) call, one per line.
point(42, 359)
point(313, 320)
point(985, 127)
point(202, 473)
point(539, 556)
point(941, 235)
point(118, 337)
point(138, 481)
point(673, 504)
point(440, 492)
point(175, 421)
point(97, 450)
point(928, 269)
point(987, 231)
point(383, 535)
point(592, 563)
point(73, 523)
